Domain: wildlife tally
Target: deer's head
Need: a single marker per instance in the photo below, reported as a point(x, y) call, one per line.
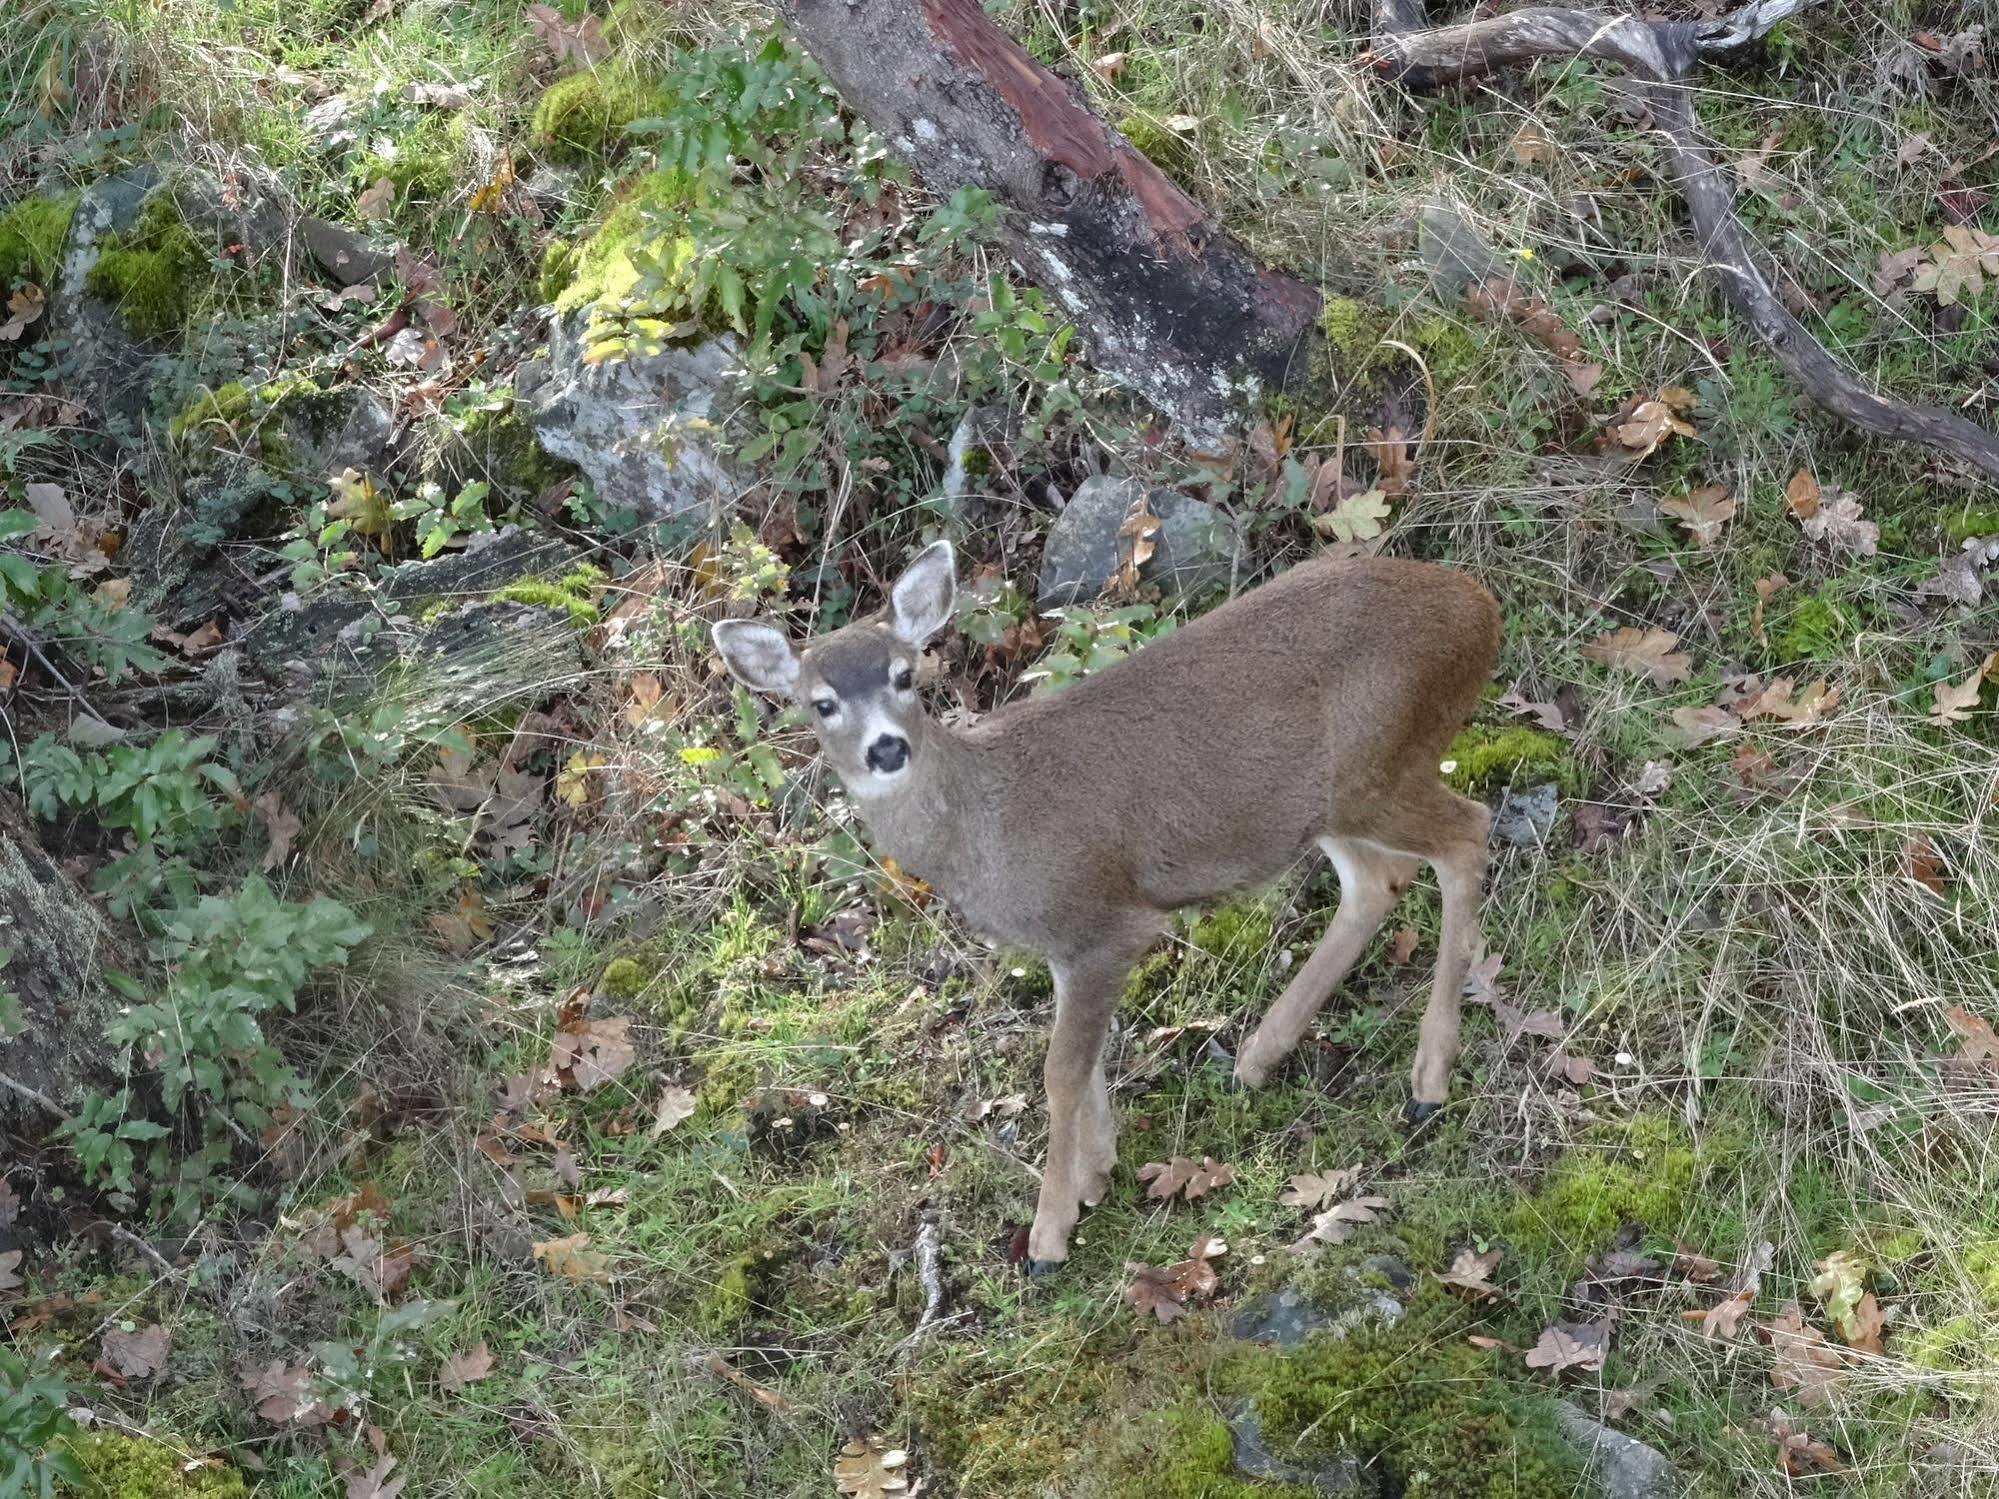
point(858, 684)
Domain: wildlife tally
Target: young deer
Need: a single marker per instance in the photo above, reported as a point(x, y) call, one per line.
point(1314, 709)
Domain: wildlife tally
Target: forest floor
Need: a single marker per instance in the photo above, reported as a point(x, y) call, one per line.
point(534, 1088)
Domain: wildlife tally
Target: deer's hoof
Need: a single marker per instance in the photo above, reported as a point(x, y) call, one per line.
point(1417, 1114)
point(1040, 1269)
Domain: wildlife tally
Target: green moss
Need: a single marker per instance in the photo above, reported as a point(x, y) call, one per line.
point(1435, 1416)
point(1346, 325)
point(1193, 1457)
point(624, 978)
point(1981, 1264)
point(1234, 933)
point(1818, 625)
point(149, 273)
point(558, 269)
point(121, 1466)
point(428, 163)
point(1958, 528)
point(1484, 756)
point(1641, 1172)
point(584, 116)
point(32, 232)
point(574, 592)
point(499, 448)
point(728, 1300)
point(1166, 148)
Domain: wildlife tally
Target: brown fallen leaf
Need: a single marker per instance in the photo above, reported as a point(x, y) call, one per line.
point(1922, 863)
point(1702, 512)
point(1699, 725)
point(1394, 458)
point(762, 1394)
point(281, 825)
point(374, 1483)
point(464, 1368)
point(581, 42)
point(1548, 715)
point(1499, 297)
point(1802, 1455)
point(1402, 946)
point(1838, 523)
point(675, 1107)
point(1337, 1223)
point(1646, 652)
point(1841, 1287)
point(1183, 1177)
point(1165, 1291)
point(869, 1468)
point(1568, 1345)
point(10, 1203)
point(1955, 700)
point(1312, 1190)
point(1978, 1049)
point(378, 201)
point(1652, 421)
point(24, 307)
point(278, 1391)
point(573, 1259)
point(1531, 146)
point(1801, 1358)
point(1801, 494)
point(1785, 701)
point(1694, 1265)
point(1471, 1272)
point(138, 1354)
point(587, 1054)
point(1766, 588)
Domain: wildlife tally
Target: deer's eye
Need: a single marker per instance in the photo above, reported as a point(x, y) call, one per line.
point(825, 707)
point(904, 679)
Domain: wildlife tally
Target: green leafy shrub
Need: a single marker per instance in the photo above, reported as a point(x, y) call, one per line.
point(113, 640)
point(157, 791)
point(34, 1420)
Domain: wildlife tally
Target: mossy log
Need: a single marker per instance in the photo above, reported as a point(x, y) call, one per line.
point(1163, 298)
point(59, 948)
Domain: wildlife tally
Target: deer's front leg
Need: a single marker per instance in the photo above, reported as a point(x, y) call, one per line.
point(1082, 1142)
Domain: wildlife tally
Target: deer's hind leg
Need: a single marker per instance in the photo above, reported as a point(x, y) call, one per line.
point(1372, 880)
point(1449, 831)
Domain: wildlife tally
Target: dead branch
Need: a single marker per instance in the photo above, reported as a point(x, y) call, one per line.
point(1661, 54)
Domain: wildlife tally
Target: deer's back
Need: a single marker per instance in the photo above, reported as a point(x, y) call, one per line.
point(1213, 758)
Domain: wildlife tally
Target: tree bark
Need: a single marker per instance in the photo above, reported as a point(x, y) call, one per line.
point(1165, 300)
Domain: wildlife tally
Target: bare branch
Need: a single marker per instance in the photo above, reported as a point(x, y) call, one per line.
point(1661, 54)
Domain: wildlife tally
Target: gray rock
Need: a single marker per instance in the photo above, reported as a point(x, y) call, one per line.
point(1331, 1473)
point(345, 255)
point(1455, 252)
point(105, 368)
point(1526, 818)
point(642, 427)
point(1286, 1318)
point(1196, 545)
point(967, 485)
point(1624, 1466)
point(328, 431)
point(248, 210)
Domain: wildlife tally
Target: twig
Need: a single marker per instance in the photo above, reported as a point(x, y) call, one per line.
point(928, 1254)
point(33, 1095)
point(25, 638)
point(158, 1261)
point(1661, 54)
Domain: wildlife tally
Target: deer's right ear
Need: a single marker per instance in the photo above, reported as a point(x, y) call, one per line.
point(758, 655)
point(920, 603)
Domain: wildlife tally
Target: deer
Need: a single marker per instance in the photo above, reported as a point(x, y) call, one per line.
point(1309, 712)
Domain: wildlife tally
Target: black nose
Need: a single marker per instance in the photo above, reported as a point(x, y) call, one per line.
point(888, 754)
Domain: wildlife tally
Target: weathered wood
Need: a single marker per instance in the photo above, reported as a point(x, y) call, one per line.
point(1163, 298)
point(1661, 54)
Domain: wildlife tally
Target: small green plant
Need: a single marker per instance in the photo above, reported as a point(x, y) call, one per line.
point(159, 791)
point(441, 523)
point(34, 1418)
point(1088, 640)
point(111, 639)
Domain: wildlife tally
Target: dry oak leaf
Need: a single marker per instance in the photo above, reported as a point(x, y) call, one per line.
point(10, 1264)
point(675, 1107)
point(1841, 1287)
point(1838, 523)
point(1694, 1265)
point(1782, 700)
point(1801, 1358)
point(1652, 421)
point(377, 202)
point(1312, 1190)
point(1958, 263)
point(581, 42)
point(1402, 946)
point(1337, 1223)
point(23, 308)
point(469, 1367)
point(1955, 700)
point(1548, 715)
point(1645, 652)
point(1979, 1049)
point(278, 1391)
point(869, 1469)
point(1394, 459)
point(1472, 1272)
point(1698, 725)
point(1896, 266)
point(1702, 512)
point(589, 1053)
point(1803, 1456)
point(139, 1354)
point(1531, 146)
point(572, 1258)
point(1165, 1290)
point(374, 1483)
point(281, 825)
point(1183, 1177)
point(1567, 1345)
point(1922, 863)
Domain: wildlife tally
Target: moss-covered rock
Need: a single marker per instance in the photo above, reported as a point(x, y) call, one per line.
point(150, 272)
point(575, 593)
point(1484, 756)
point(583, 117)
point(123, 1466)
point(32, 232)
point(1641, 1172)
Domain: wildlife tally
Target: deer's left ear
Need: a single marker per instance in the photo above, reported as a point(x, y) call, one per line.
point(920, 603)
point(758, 655)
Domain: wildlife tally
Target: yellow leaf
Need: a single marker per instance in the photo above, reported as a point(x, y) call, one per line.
point(572, 782)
